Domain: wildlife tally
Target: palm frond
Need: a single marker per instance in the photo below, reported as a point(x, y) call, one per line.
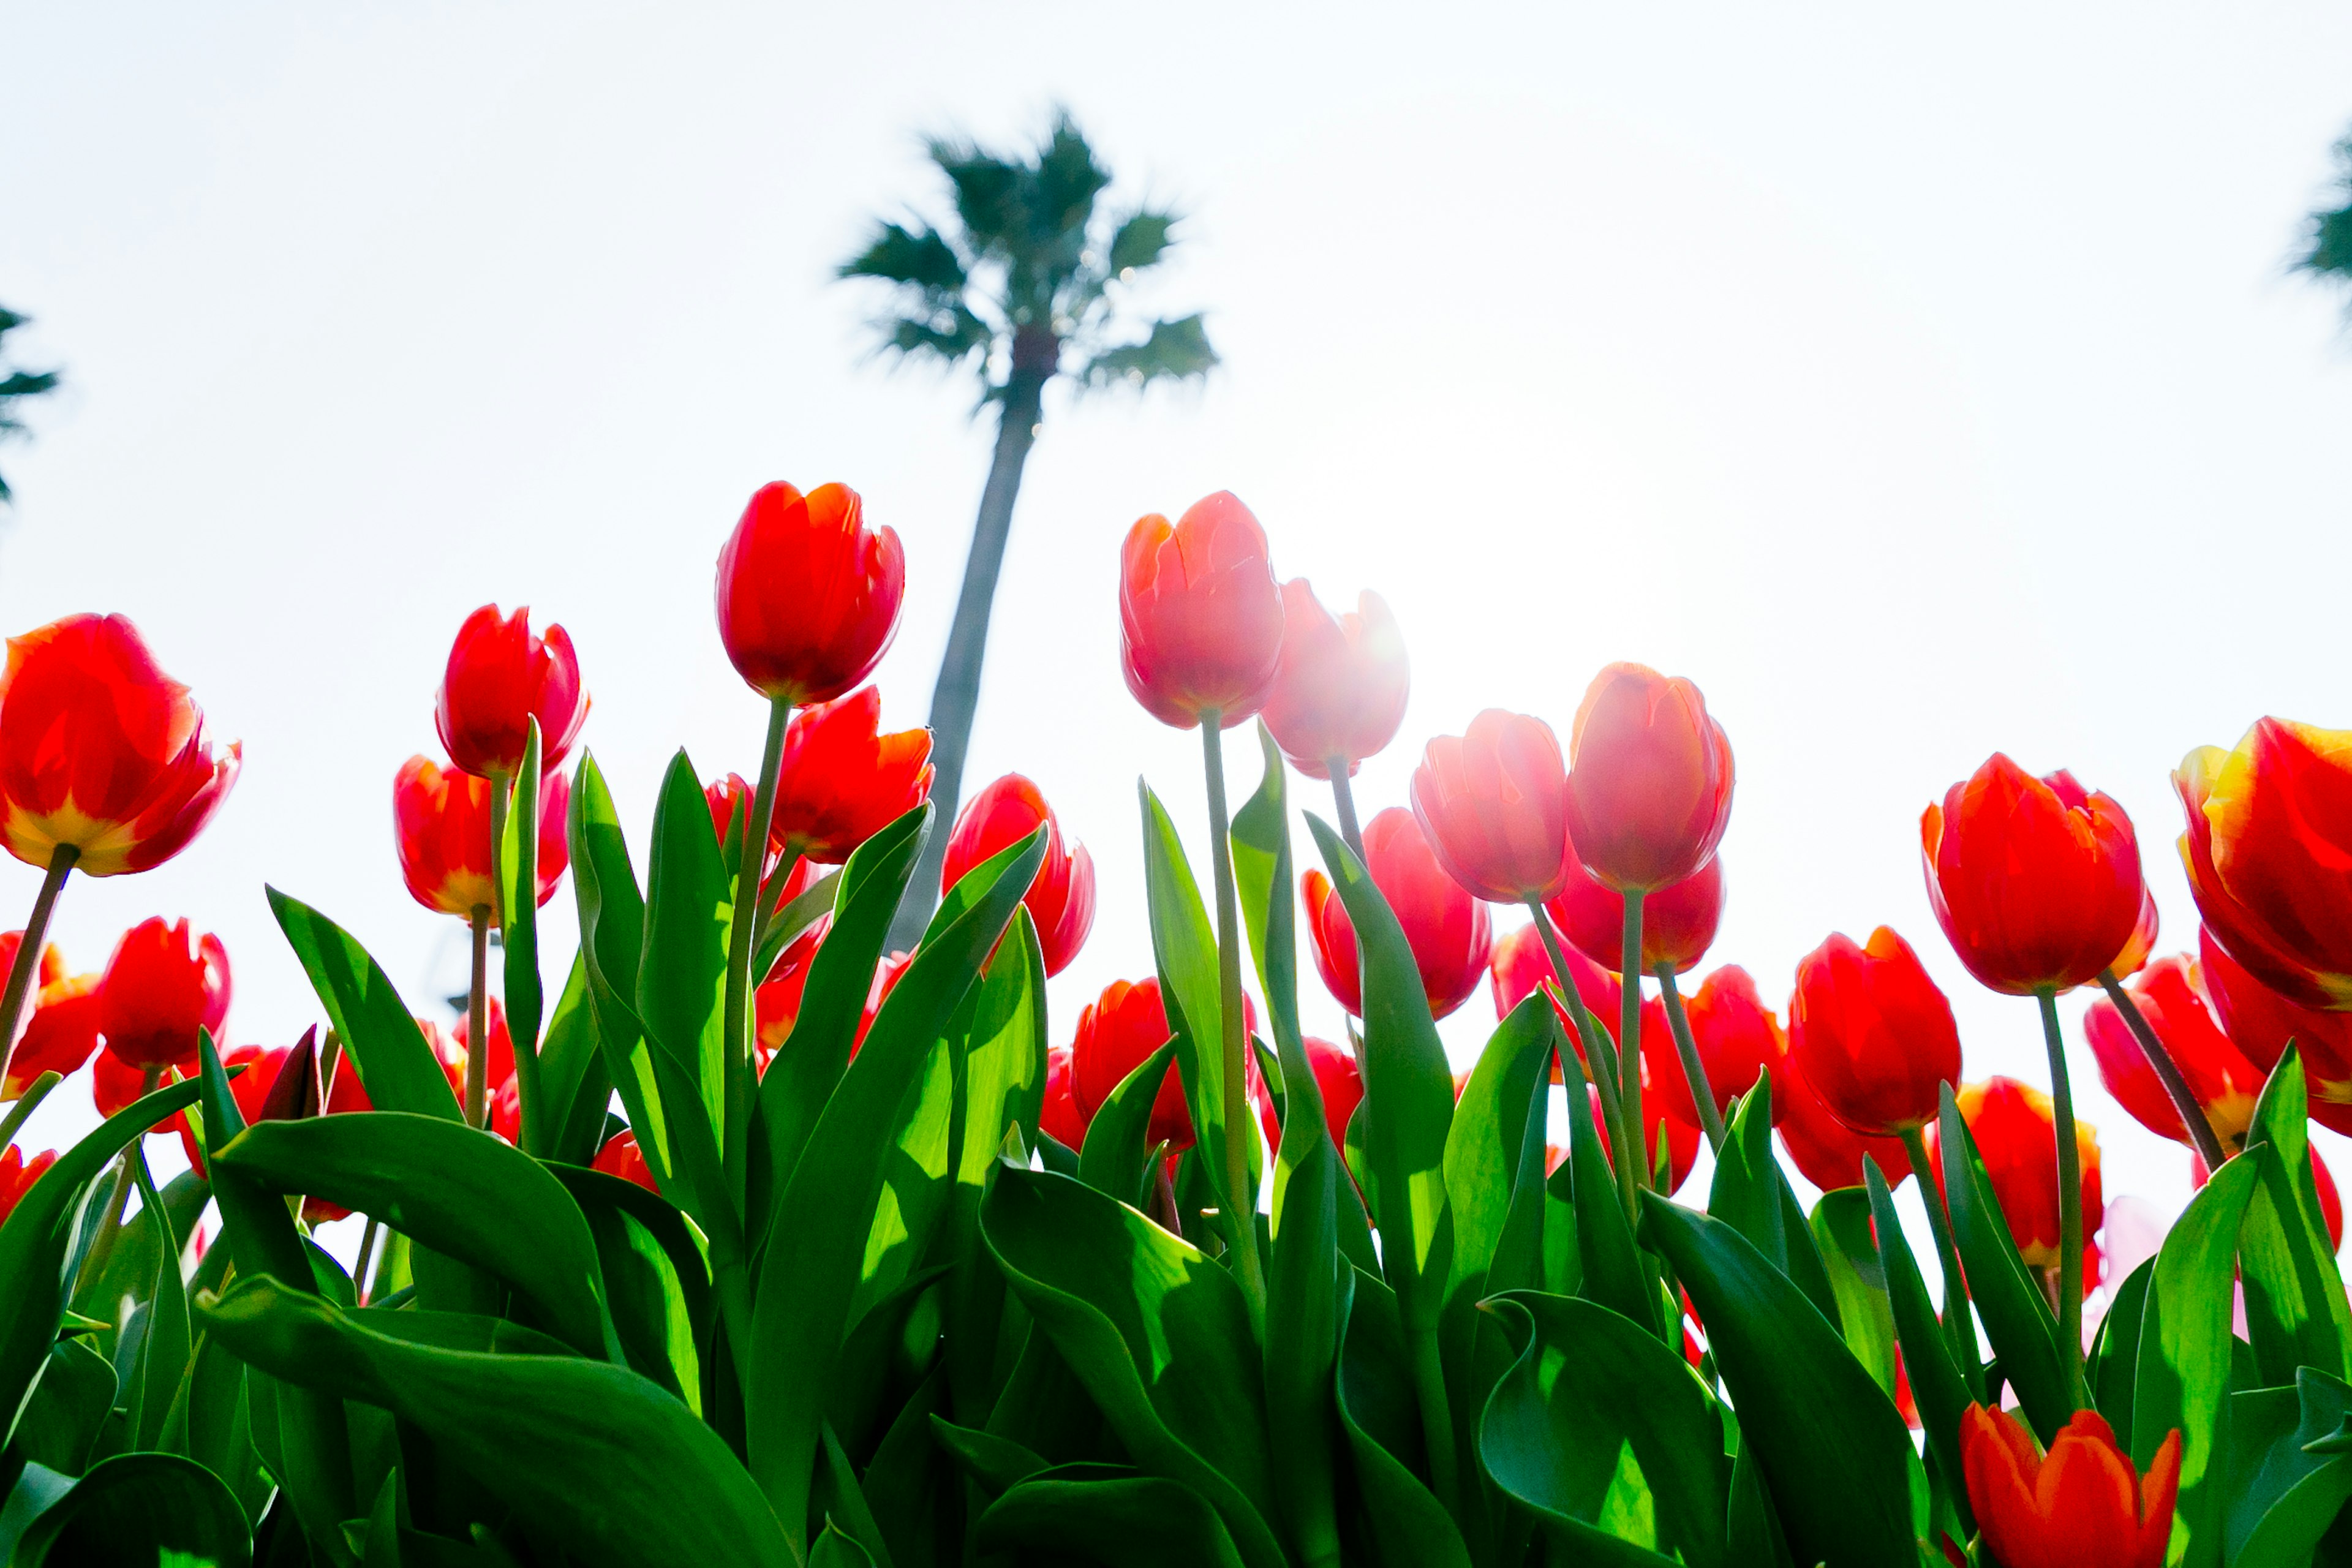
point(951, 336)
point(1173, 350)
point(987, 191)
point(1141, 240)
point(919, 258)
point(2328, 251)
point(1065, 180)
point(14, 387)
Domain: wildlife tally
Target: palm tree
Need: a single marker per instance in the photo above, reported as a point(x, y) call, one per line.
point(2328, 238)
point(15, 386)
point(1023, 283)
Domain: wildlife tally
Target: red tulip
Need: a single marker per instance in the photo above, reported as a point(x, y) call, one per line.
point(1201, 620)
point(877, 991)
point(1520, 963)
point(1738, 1037)
point(2331, 1202)
point(100, 750)
point(441, 824)
point(249, 1090)
point(62, 1035)
point(776, 1002)
point(499, 678)
point(2084, 1506)
point(1826, 1151)
point(500, 1067)
point(1678, 921)
point(2016, 1135)
point(2035, 881)
point(1649, 779)
point(808, 597)
point(17, 1176)
point(2224, 1082)
point(1493, 804)
point(1115, 1031)
point(1061, 899)
point(1060, 1119)
point(621, 1157)
point(1340, 692)
point(1444, 926)
point(2142, 945)
point(2260, 1021)
point(1341, 1081)
point(48, 972)
point(1871, 1033)
point(727, 798)
point(163, 983)
point(843, 781)
point(347, 1093)
point(2269, 852)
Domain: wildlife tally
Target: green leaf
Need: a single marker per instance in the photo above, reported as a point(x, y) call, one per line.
point(2113, 1363)
point(2296, 1315)
point(2184, 1354)
point(140, 1509)
point(518, 940)
point(612, 937)
point(657, 1282)
point(1155, 1332)
point(574, 1081)
point(380, 1036)
point(1138, 1522)
point(451, 1188)
point(807, 906)
point(823, 1216)
point(1837, 1458)
point(2286, 1484)
point(165, 1347)
point(994, 1464)
point(64, 1408)
point(1184, 947)
point(2016, 1315)
point(1936, 1386)
point(1596, 1411)
point(1752, 1195)
point(38, 1237)
point(590, 1456)
point(1405, 1524)
point(1615, 1273)
point(1115, 1160)
point(1495, 1142)
point(682, 972)
point(835, 1550)
point(1840, 1228)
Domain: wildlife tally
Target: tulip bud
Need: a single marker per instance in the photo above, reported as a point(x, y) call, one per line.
point(1340, 690)
point(1061, 898)
point(1871, 1034)
point(1201, 620)
point(1446, 929)
point(100, 750)
point(164, 985)
point(843, 781)
point(2085, 1506)
point(441, 824)
point(1493, 804)
point(1678, 921)
point(2223, 1081)
point(499, 678)
point(1649, 779)
point(279, 1084)
point(808, 597)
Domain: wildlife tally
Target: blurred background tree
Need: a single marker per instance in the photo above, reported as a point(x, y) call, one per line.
point(16, 386)
point(1023, 282)
point(2328, 238)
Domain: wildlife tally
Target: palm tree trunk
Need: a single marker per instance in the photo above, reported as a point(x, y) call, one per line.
point(957, 696)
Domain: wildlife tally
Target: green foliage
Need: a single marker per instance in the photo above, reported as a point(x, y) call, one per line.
point(17, 386)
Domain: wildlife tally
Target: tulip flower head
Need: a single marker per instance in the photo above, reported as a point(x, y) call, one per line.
point(2036, 881)
point(1737, 1039)
point(441, 824)
point(808, 596)
point(2260, 1021)
point(2082, 1505)
point(1341, 691)
point(2016, 1134)
point(1649, 779)
point(1520, 964)
point(101, 751)
point(1447, 929)
point(2142, 945)
point(250, 1090)
point(2269, 852)
point(1116, 1032)
point(1825, 1150)
point(1871, 1034)
point(621, 1157)
point(1059, 1117)
point(843, 781)
point(1678, 921)
point(1493, 804)
point(1200, 621)
point(48, 972)
point(1061, 899)
point(62, 1035)
point(1341, 1081)
point(17, 1176)
point(2224, 1082)
point(499, 678)
point(164, 983)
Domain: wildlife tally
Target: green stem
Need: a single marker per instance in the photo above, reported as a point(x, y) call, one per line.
point(1629, 1037)
point(477, 1024)
point(752, 859)
point(1956, 1290)
point(29, 1103)
point(1436, 1417)
point(360, 1264)
point(502, 803)
point(2184, 1101)
point(29, 952)
point(1240, 1217)
point(1710, 1115)
point(1603, 1070)
point(1343, 798)
point(2070, 1203)
point(103, 1243)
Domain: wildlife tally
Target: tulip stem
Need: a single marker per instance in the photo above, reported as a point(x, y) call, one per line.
point(29, 952)
point(103, 1243)
point(1601, 1072)
point(752, 859)
point(477, 1024)
point(501, 805)
point(360, 1263)
point(1947, 1257)
point(1710, 1115)
point(2069, 1201)
point(1343, 799)
point(2184, 1100)
point(1629, 1035)
point(35, 1093)
point(1240, 1213)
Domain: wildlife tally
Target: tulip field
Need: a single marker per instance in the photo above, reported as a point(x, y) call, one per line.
point(736, 1237)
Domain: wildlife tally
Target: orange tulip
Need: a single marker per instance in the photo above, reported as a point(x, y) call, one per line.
point(1678, 921)
point(499, 678)
point(1826, 1151)
point(1871, 1034)
point(2260, 1021)
point(2224, 1082)
point(621, 1157)
point(441, 824)
point(1493, 804)
point(2017, 1137)
point(100, 750)
point(2269, 852)
point(1649, 779)
point(2082, 1506)
point(1446, 929)
point(2036, 881)
point(1341, 691)
point(1061, 898)
point(1200, 618)
point(843, 781)
point(163, 983)
point(17, 1176)
point(1738, 1037)
point(808, 596)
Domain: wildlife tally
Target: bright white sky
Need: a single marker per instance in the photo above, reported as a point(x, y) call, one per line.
point(1917, 385)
